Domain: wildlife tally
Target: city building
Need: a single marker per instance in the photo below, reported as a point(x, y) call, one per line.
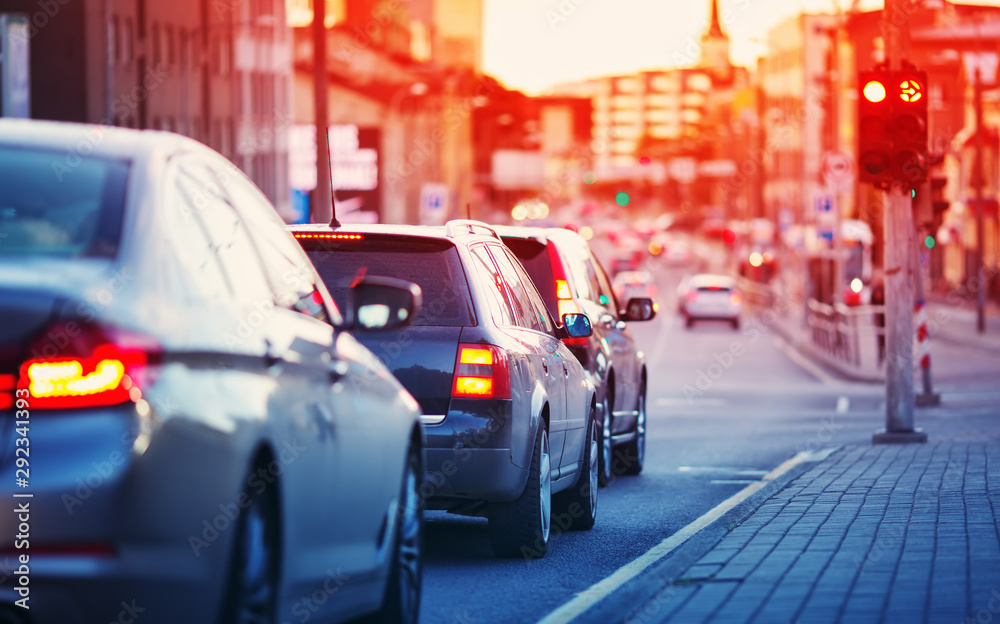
point(215, 70)
point(403, 81)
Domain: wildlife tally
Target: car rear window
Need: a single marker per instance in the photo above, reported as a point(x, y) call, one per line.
point(433, 265)
point(48, 207)
point(713, 289)
point(537, 264)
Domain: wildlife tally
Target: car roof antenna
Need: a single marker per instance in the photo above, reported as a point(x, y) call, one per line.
point(334, 222)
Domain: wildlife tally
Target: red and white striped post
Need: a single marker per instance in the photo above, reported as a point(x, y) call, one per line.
point(922, 355)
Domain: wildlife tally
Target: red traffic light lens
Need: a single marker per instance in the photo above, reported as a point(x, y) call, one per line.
point(728, 236)
point(910, 91)
point(874, 91)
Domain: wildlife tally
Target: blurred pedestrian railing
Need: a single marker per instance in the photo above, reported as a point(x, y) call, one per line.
point(848, 333)
point(756, 293)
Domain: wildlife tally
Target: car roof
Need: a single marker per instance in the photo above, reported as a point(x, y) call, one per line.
point(78, 139)
point(541, 234)
point(451, 231)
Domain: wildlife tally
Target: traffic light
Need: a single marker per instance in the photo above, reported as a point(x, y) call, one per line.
point(892, 127)
point(874, 137)
point(909, 127)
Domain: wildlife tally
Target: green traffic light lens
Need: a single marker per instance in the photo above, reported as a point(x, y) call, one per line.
point(622, 198)
point(929, 242)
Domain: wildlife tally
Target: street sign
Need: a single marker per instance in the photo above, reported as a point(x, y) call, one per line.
point(985, 62)
point(433, 203)
point(838, 170)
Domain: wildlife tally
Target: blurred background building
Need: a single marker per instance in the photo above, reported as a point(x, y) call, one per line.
point(216, 70)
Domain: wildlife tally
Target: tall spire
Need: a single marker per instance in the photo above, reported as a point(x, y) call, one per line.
point(715, 27)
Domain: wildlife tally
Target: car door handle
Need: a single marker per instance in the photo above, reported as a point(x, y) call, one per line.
point(545, 366)
point(565, 370)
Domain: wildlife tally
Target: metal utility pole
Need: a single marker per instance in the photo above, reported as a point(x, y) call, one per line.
point(979, 178)
point(899, 235)
point(927, 396)
point(322, 198)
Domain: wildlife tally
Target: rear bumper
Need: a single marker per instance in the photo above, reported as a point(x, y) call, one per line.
point(108, 523)
point(711, 312)
point(469, 455)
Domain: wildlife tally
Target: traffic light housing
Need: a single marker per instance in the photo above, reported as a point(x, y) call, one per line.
point(909, 127)
point(892, 127)
point(874, 137)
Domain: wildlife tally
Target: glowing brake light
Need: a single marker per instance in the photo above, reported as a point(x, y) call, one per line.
point(308, 235)
point(735, 299)
point(73, 366)
point(481, 372)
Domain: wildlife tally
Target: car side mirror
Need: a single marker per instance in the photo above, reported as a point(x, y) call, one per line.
point(639, 309)
point(577, 325)
point(381, 303)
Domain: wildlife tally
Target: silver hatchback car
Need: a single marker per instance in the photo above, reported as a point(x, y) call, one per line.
point(712, 297)
point(189, 432)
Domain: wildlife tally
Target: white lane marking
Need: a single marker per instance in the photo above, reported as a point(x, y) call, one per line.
point(804, 362)
point(843, 404)
point(668, 401)
point(603, 588)
point(739, 471)
point(732, 481)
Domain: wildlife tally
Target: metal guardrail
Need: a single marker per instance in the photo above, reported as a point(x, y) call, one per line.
point(847, 333)
point(836, 329)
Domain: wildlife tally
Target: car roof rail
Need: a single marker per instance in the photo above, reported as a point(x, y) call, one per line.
point(451, 227)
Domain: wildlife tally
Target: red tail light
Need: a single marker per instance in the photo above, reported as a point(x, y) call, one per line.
point(481, 372)
point(735, 299)
point(76, 365)
point(691, 295)
point(307, 235)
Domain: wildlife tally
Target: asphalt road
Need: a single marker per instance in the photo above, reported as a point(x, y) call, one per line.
point(724, 407)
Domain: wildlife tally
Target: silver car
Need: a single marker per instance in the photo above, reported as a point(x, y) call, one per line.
point(712, 297)
point(189, 432)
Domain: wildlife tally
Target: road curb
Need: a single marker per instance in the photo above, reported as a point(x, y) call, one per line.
point(628, 603)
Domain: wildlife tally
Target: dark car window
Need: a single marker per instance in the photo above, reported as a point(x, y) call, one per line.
point(584, 281)
point(605, 293)
point(524, 312)
point(433, 265)
point(228, 234)
point(492, 281)
point(50, 209)
point(286, 265)
point(540, 319)
point(535, 259)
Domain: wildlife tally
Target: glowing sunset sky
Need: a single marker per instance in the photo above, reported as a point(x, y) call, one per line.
point(531, 44)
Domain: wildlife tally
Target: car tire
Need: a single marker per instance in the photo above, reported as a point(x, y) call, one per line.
point(252, 588)
point(688, 322)
point(522, 527)
point(401, 603)
point(635, 451)
point(736, 323)
point(578, 504)
point(605, 446)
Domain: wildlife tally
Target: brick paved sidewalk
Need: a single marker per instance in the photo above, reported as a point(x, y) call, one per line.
point(872, 534)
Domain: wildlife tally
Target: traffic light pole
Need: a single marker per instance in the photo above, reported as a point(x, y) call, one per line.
point(979, 177)
point(899, 276)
